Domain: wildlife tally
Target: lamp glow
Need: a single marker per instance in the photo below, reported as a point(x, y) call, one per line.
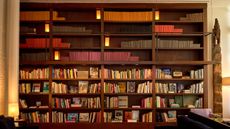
point(226, 81)
point(107, 41)
point(47, 28)
point(157, 15)
point(13, 110)
point(98, 14)
point(56, 55)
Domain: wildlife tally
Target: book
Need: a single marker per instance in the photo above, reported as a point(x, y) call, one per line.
point(23, 103)
point(72, 118)
point(118, 116)
point(76, 102)
point(84, 117)
point(83, 74)
point(123, 101)
point(73, 89)
point(135, 115)
point(36, 87)
point(122, 87)
point(131, 88)
point(93, 72)
point(83, 86)
point(166, 72)
point(46, 87)
point(84, 102)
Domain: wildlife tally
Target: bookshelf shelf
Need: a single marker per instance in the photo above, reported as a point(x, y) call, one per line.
point(75, 94)
point(34, 109)
point(33, 94)
point(128, 94)
point(78, 79)
point(85, 51)
point(166, 124)
point(177, 79)
point(128, 35)
point(75, 34)
point(176, 94)
point(128, 109)
point(180, 49)
point(179, 22)
point(77, 21)
point(76, 109)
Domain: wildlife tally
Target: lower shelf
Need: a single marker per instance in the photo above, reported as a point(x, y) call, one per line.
point(166, 124)
point(95, 125)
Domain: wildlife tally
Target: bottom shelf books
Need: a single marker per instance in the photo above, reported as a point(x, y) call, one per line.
point(119, 116)
point(60, 117)
point(35, 117)
point(169, 116)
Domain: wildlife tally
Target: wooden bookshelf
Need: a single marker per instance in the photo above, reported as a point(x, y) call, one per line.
point(107, 69)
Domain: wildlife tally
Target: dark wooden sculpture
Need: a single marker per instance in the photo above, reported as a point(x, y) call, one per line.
point(217, 79)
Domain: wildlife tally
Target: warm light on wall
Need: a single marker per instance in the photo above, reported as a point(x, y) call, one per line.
point(13, 110)
point(107, 41)
point(157, 15)
point(226, 81)
point(98, 14)
point(47, 28)
point(56, 55)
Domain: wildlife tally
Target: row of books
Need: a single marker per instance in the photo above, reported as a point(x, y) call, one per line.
point(82, 87)
point(76, 102)
point(136, 44)
point(39, 73)
point(169, 74)
point(120, 56)
point(74, 73)
point(89, 117)
point(147, 102)
point(35, 117)
point(96, 56)
point(23, 104)
point(116, 102)
point(28, 30)
point(193, 17)
point(178, 88)
point(128, 16)
point(189, 101)
point(71, 29)
point(44, 43)
point(129, 29)
point(172, 43)
point(134, 73)
point(127, 116)
point(167, 28)
point(39, 15)
point(34, 57)
point(82, 56)
point(197, 74)
point(127, 87)
point(34, 87)
point(169, 116)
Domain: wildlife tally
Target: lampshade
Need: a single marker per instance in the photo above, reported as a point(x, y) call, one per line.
point(226, 81)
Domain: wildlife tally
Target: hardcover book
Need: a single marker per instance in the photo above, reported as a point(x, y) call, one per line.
point(84, 117)
point(83, 86)
point(36, 87)
point(93, 72)
point(46, 87)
